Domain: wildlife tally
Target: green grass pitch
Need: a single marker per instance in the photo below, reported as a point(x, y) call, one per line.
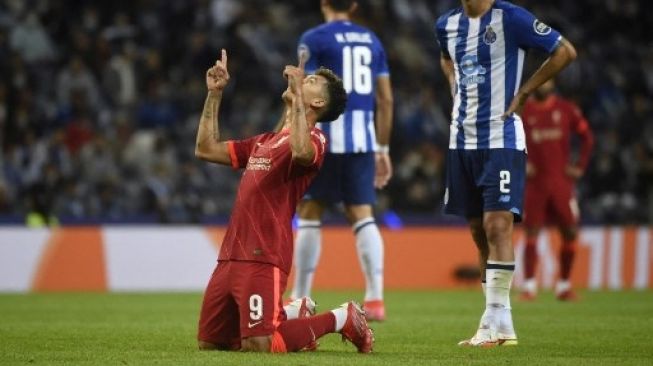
point(608, 328)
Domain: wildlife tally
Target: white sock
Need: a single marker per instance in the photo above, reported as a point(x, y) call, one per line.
point(308, 245)
point(341, 317)
point(292, 309)
point(530, 286)
point(370, 254)
point(562, 286)
point(292, 312)
point(484, 287)
point(498, 277)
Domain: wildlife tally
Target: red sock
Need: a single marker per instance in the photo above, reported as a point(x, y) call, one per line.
point(299, 333)
point(567, 254)
point(530, 257)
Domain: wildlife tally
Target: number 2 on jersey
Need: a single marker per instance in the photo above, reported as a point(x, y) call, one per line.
point(504, 175)
point(356, 71)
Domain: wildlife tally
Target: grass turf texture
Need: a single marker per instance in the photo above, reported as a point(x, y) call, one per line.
point(422, 329)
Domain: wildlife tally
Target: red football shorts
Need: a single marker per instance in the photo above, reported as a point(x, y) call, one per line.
point(242, 299)
point(555, 204)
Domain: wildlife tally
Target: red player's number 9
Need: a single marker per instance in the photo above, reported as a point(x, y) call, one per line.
point(255, 307)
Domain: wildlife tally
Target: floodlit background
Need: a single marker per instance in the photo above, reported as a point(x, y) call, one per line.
point(99, 106)
point(99, 103)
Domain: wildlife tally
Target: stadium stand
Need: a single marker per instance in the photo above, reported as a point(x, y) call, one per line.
point(99, 103)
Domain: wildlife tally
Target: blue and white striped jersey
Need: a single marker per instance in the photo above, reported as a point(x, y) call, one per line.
point(488, 55)
point(357, 56)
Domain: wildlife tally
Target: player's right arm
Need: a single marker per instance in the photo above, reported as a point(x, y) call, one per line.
point(208, 145)
point(563, 55)
point(447, 67)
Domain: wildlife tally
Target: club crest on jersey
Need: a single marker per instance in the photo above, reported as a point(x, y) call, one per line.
point(541, 28)
point(490, 36)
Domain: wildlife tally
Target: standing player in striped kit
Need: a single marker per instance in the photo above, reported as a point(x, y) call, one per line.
point(483, 45)
point(357, 159)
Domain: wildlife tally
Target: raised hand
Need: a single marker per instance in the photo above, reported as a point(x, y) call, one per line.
point(217, 76)
point(295, 74)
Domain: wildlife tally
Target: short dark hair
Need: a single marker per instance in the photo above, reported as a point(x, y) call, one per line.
point(336, 96)
point(340, 5)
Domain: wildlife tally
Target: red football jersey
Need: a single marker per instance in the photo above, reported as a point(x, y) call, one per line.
point(260, 227)
point(549, 125)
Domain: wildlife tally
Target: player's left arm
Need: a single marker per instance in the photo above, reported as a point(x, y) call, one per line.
point(301, 145)
point(529, 32)
point(581, 127)
point(208, 145)
point(563, 55)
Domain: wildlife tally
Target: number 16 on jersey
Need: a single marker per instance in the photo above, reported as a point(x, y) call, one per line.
point(356, 69)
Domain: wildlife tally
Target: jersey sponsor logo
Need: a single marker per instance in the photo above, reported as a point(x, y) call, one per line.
point(504, 198)
point(472, 69)
point(546, 134)
point(259, 163)
point(253, 324)
point(489, 36)
point(541, 28)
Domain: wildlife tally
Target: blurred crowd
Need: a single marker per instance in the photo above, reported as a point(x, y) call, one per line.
point(100, 101)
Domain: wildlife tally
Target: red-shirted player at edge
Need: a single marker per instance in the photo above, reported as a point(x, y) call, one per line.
point(242, 307)
point(550, 121)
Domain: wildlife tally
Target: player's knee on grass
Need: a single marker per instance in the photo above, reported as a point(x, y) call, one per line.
point(206, 346)
point(256, 344)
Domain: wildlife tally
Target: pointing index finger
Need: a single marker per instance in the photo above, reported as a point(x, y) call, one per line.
point(303, 56)
point(224, 58)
